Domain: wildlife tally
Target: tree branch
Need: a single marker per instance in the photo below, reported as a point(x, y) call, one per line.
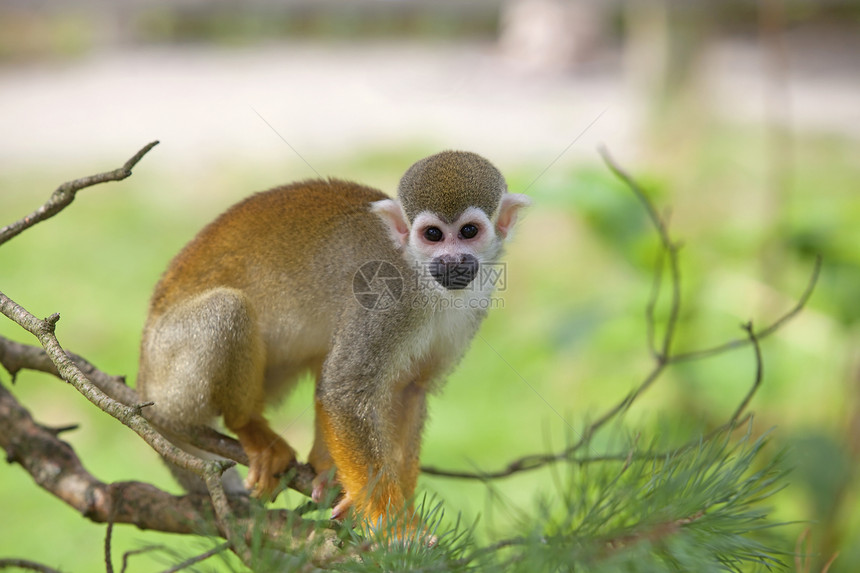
point(15, 356)
point(28, 565)
point(670, 248)
point(65, 194)
point(126, 557)
point(773, 327)
point(43, 330)
point(55, 467)
point(198, 558)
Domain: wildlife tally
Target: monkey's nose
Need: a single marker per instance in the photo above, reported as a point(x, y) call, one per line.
point(454, 272)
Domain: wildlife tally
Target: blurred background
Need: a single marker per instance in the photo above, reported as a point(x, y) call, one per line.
point(741, 118)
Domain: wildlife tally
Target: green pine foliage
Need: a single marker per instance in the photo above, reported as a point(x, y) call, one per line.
point(701, 507)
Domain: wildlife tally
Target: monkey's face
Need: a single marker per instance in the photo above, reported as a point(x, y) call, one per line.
point(452, 252)
point(448, 252)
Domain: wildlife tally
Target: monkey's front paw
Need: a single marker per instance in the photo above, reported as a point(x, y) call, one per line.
point(268, 456)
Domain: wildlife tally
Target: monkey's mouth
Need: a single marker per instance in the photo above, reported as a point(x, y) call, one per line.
point(454, 272)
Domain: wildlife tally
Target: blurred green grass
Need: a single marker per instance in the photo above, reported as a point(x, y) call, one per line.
point(571, 333)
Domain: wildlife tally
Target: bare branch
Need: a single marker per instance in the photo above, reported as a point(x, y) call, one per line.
point(534, 462)
point(55, 467)
point(63, 429)
point(759, 372)
point(669, 247)
point(15, 357)
point(224, 515)
point(129, 554)
point(43, 330)
point(198, 558)
point(28, 565)
point(650, 319)
point(794, 311)
point(65, 194)
point(109, 535)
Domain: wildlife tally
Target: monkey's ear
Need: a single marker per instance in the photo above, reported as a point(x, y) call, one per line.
point(509, 207)
point(394, 218)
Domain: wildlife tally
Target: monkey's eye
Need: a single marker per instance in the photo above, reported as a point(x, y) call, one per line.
point(468, 231)
point(433, 234)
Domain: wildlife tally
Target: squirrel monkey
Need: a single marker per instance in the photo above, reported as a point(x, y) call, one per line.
point(376, 297)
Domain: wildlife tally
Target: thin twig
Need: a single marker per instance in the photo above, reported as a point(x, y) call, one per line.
point(490, 549)
point(776, 325)
point(198, 558)
point(63, 429)
point(537, 461)
point(669, 247)
point(128, 554)
point(224, 515)
point(108, 539)
point(28, 565)
point(759, 372)
point(117, 491)
point(65, 194)
point(15, 356)
point(650, 308)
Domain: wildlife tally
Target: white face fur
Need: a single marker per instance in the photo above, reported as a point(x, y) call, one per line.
point(452, 252)
point(471, 233)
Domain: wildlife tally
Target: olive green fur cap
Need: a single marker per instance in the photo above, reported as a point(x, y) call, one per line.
point(450, 182)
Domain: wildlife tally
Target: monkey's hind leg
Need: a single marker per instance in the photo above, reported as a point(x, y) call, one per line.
point(212, 361)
